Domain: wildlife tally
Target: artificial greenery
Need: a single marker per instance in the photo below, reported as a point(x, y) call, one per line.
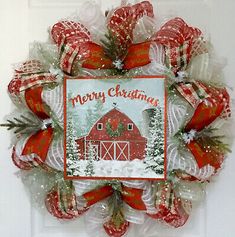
point(21, 124)
point(112, 47)
point(208, 140)
point(116, 207)
point(114, 50)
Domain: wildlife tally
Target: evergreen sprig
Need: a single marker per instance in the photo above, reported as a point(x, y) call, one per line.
point(20, 124)
point(112, 47)
point(114, 50)
point(207, 139)
point(116, 205)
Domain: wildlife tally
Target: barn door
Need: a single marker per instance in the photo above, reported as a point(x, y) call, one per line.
point(122, 151)
point(114, 150)
point(27, 20)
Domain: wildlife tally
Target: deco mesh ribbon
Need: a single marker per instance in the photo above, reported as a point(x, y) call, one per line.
point(197, 109)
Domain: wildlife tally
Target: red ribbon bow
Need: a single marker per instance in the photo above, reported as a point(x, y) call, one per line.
point(75, 44)
point(170, 207)
point(132, 196)
point(64, 205)
point(178, 39)
point(31, 73)
point(214, 104)
point(27, 81)
point(37, 144)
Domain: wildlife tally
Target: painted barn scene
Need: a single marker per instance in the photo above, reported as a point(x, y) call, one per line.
point(111, 139)
point(114, 137)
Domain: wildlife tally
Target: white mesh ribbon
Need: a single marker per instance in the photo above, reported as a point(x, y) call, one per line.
point(54, 99)
point(204, 67)
point(55, 155)
point(201, 67)
point(84, 186)
point(96, 217)
point(177, 111)
point(157, 65)
point(145, 28)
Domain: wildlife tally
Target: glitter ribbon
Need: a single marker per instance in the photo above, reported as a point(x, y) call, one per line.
point(179, 40)
point(206, 113)
point(39, 142)
point(75, 44)
point(30, 73)
point(171, 208)
point(132, 196)
point(32, 150)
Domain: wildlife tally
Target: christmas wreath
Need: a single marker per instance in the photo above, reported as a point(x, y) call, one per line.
point(117, 132)
point(128, 41)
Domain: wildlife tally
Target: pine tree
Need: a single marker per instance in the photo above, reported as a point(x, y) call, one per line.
point(79, 131)
point(89, 171)
point(98, 109)
point(72, 150)
point(154, 159)
point(90, 119)
point(93, 115)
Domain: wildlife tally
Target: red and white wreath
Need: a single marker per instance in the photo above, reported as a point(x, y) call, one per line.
point(108, 44)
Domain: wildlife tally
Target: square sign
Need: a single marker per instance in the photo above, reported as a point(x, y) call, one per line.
point(115, 128)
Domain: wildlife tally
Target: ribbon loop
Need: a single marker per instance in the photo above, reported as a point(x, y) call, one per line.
point(124, 19)
point(37, 145)
point(179, 40)
point(30, 74)
point(171, 208)
point(75, 45)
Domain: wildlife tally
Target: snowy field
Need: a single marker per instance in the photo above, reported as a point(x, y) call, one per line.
point(117, 169)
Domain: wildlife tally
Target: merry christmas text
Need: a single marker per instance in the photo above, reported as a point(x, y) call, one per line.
point(114, 92)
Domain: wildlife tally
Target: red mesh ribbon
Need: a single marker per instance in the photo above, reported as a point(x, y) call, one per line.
point(178, 39)
point(97, 195)
point(38, 143)
point(132, 196)
point(31, 73)
point(203, 116)
point(114, 231)
point(205, 113)
point(137, 56)
point(170, 207)
point(62, 204)
point(123, 20)
point(75, 44)
point(214, 103)
point(205, 156)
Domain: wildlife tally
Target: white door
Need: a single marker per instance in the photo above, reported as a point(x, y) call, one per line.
point(23, 21)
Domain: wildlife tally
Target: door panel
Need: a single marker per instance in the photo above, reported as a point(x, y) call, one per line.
point(107, 150)
point(28, 20)
point(122, 151)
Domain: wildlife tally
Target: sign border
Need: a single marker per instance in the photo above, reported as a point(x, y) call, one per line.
point(165, 127)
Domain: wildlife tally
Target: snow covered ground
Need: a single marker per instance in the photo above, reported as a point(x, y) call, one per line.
point(118, 169)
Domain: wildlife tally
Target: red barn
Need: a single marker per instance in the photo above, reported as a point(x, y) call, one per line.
point(114, 137)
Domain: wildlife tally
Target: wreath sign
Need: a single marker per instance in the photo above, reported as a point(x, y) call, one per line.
point(198, 108)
